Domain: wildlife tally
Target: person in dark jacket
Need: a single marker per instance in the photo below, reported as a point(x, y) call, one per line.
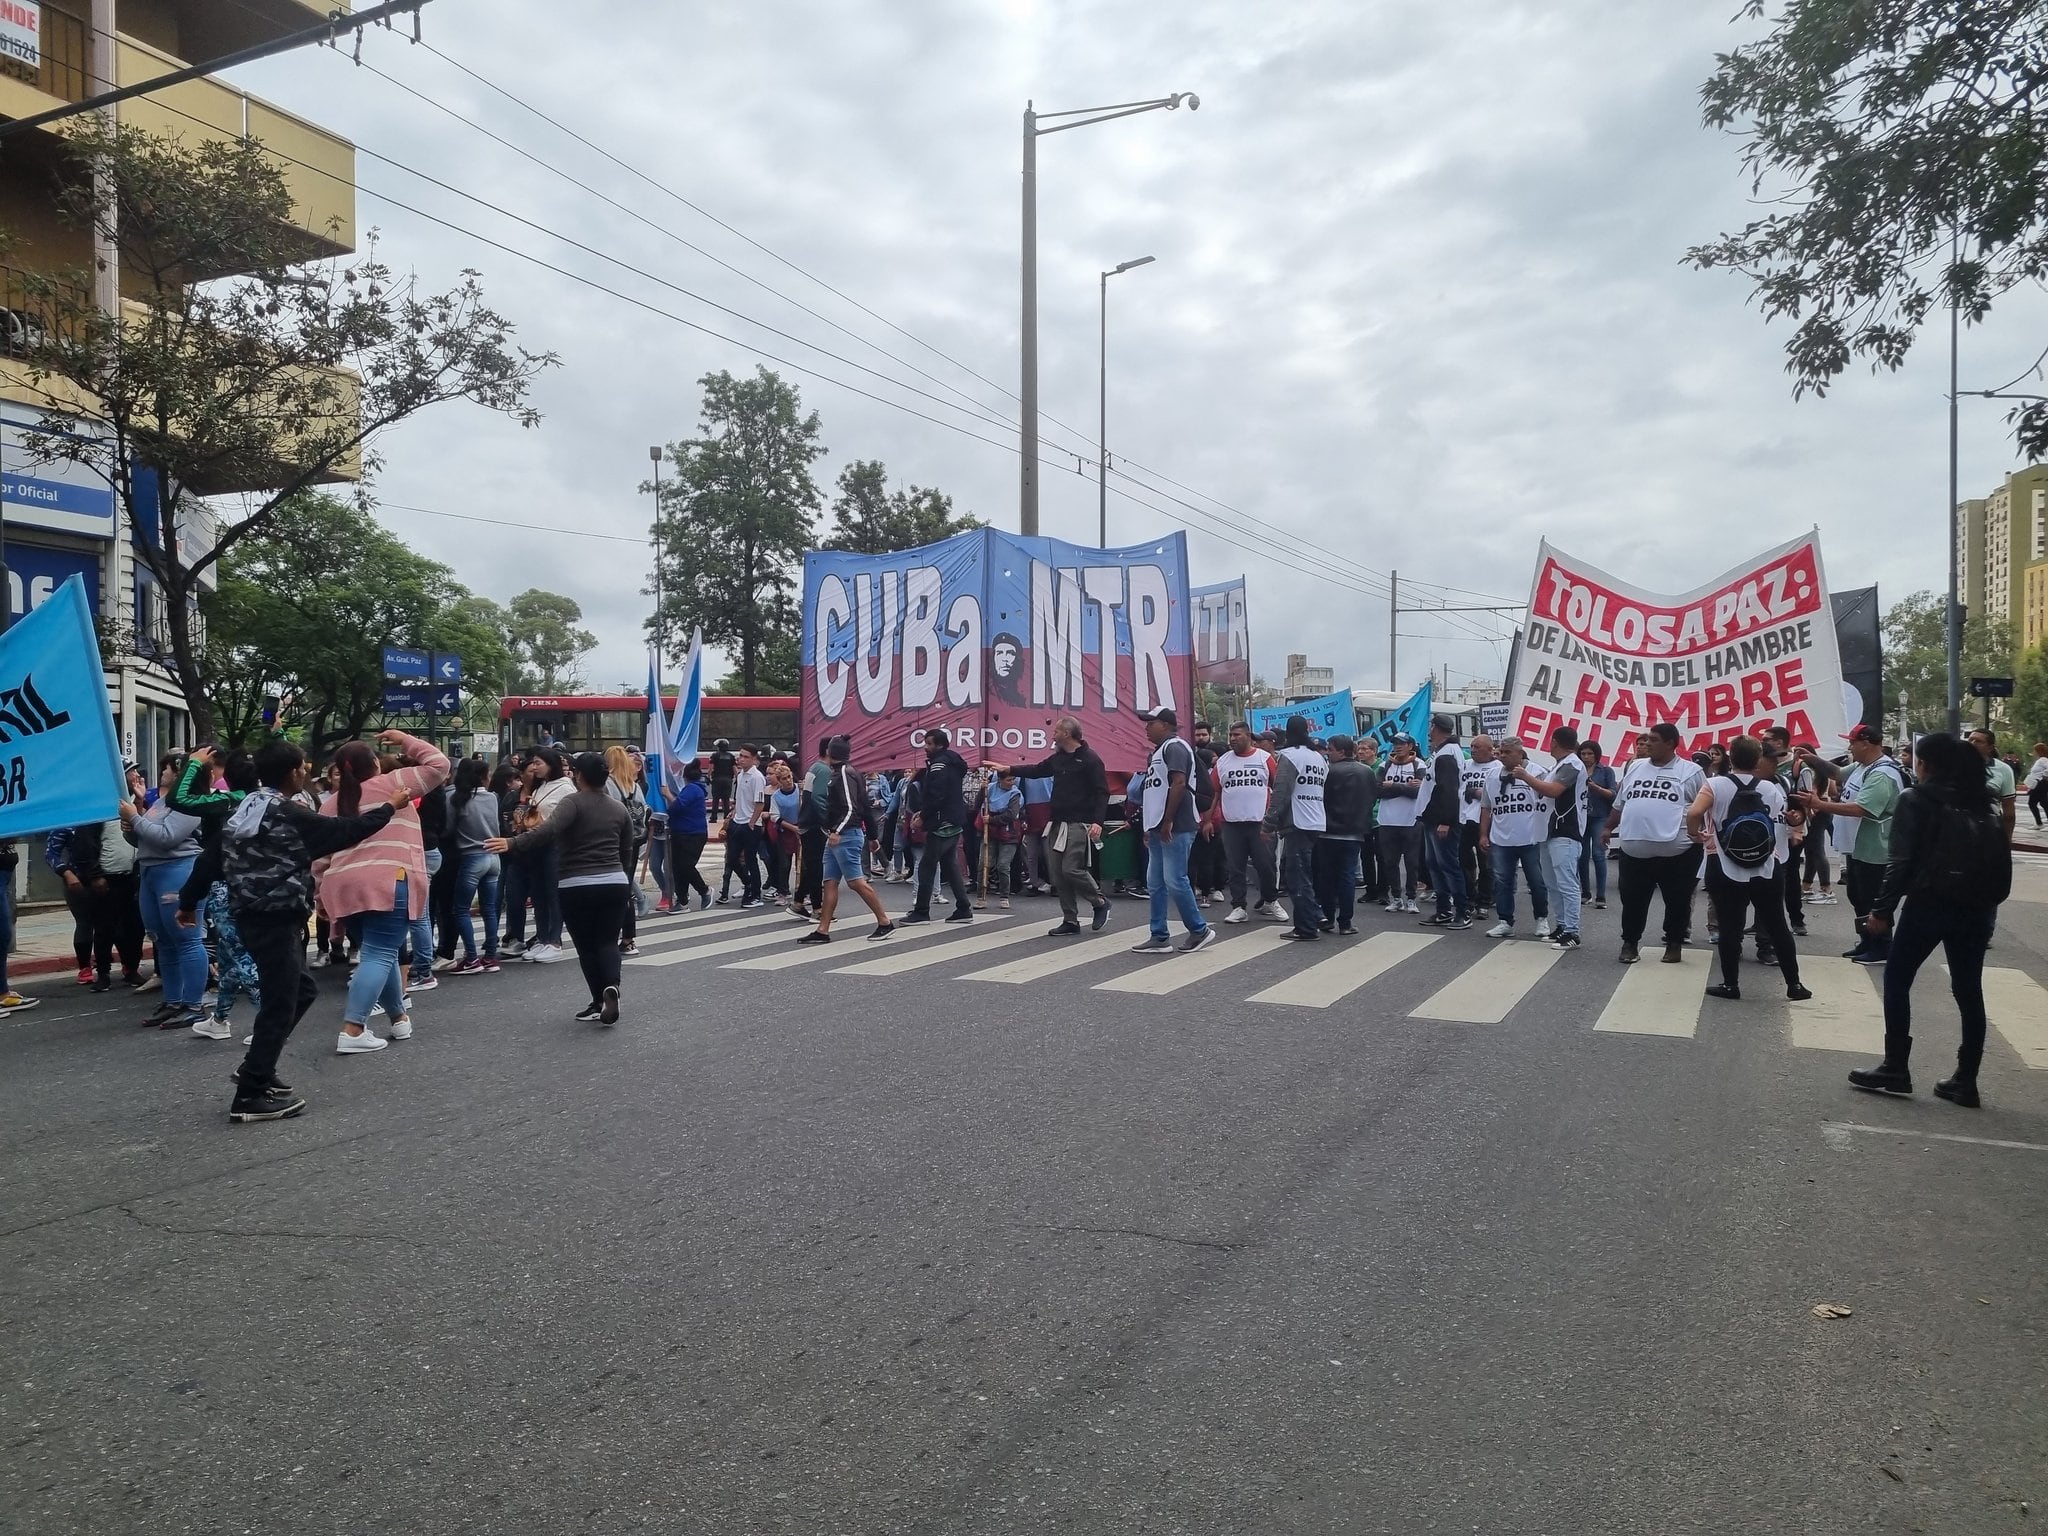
point(843, 825)
point(1347, 814)
point(1440, 819)
point(103, 862)
point(942, 802)
point(267, 848)
point(1080, 801)
point(1951, 784)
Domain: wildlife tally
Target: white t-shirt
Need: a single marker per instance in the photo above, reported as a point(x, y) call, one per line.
point(2038, 772)
point(1723, 788)
point(1474, 789)
point(547, 799)
point(1400, 810)
point(1310, 772)
point(747, 789)
point(1243, 784)
point(1521, 817)
point(1653, 803)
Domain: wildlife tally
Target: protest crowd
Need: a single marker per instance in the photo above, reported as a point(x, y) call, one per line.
point(246, 875)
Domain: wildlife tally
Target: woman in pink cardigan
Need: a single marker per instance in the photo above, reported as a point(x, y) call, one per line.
point(383, 879)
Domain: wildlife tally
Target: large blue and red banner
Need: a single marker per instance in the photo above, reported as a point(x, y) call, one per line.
point(995, 637)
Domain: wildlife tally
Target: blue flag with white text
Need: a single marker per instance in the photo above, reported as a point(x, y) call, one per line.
point(59, 762)
point(1331, 715)
point(1411, 719)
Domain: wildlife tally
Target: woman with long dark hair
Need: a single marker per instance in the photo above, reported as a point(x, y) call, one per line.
point(475, 814)
point(593, 838)
point(381, 880)
point(544, 785)
point(1950, 866)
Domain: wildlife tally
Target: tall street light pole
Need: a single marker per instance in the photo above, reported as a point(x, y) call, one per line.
point(1102, 421)
point(1027, 499)
point(1953, 628)
point(655, 455)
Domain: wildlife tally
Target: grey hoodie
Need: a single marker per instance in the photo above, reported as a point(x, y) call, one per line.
point(163, 836)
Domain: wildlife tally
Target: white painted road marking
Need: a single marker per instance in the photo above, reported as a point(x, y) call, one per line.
point(1487, 992)
point(1658, 999)
point(1336, 978)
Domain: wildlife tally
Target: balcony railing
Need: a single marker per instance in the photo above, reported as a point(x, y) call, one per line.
point(27, 317)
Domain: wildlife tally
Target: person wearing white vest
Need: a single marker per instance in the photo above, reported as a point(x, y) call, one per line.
point(1513, 823)
point(1243, 777)
point(1168, 805)
point(1658, 853)
point(1299, 773)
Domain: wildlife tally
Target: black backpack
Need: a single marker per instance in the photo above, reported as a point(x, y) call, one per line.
point(1965, 857)
point(1748, 836)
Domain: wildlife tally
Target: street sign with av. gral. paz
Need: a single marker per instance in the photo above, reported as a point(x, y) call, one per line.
point(407, 666)
point(1990, 687)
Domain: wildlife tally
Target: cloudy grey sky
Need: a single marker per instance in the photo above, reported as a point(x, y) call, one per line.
point(1418, 299)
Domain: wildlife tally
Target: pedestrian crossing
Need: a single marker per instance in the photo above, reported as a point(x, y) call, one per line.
point(1425, 975)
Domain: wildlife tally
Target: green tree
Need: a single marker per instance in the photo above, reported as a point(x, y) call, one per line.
point(870, 519)
point(305, 609)
point(734, 520)
point(264, 384)
point(547, 648)
point(1916, 658)
point(779, 668)
point(2028, 715)
point(1903, 141)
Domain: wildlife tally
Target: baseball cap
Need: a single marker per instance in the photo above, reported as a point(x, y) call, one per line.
point(1869, 733)
point(1163, 712)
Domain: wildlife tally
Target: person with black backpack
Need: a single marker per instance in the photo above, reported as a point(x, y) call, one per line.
point(1950, 867)
point(1749, 814)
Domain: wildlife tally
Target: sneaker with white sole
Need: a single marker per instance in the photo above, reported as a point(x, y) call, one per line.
point(1501, 930)
point(446, 963)
point(426, 984)
point(401, 1029)
point(1275, 913)
point(544, 954)
point(210, 1028)
point(346, 1044)
point(1542, 927)
point(1237, 915)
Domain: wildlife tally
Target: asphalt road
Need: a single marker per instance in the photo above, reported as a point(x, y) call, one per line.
point(792, 1251)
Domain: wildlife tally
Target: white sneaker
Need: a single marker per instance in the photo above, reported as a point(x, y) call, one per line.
point(1275, 913)
point(210, 1028)
point(1542, 927)
point(1500, 930)
point(347, 1044)
point(401, 1029)
point(446, 963)
point(1004, 903)
point(545, 954)
point(1237, 915)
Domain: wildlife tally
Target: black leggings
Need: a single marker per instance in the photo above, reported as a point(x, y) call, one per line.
point(629, 928)
point(1732, 901)
point(684, 850)
point(593, 914)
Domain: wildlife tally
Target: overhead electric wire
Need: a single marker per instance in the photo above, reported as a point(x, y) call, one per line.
point(774, 255)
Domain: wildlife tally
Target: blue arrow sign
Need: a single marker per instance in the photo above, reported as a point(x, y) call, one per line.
point(448, 701)
point(406, 666)
point(447, 669)
point(405, 701)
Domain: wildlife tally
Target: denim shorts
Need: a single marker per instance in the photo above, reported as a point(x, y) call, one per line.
point(846, 860)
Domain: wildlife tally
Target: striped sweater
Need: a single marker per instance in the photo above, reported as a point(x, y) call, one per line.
point(362, 878)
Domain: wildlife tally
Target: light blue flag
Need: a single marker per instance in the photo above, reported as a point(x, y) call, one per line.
point(654, 746)
point(688, 721)
point(1333, 714)
point(1411, 719)
point(59, 762)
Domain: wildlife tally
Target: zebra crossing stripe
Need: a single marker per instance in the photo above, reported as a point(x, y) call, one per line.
point(1486, 993)
point(811, 954)
point(1657, 999)
point(1844, 1013)
point(2018, 1006)
point(1170, 975)
point(1345, 972)
point(779, 934)
point(939, 954)
point(1054, 961)
point(700, 931)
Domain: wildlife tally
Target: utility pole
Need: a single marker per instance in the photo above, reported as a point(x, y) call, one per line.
point(1393, 623)
point(1954, 611)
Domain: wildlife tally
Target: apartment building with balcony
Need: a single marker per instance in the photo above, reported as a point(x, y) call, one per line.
point(63, 520)
point(1999, 541)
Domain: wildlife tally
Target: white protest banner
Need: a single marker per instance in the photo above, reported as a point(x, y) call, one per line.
point(1754, 647)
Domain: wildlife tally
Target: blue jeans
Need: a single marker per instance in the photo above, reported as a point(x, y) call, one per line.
point(1561, 854)
point(423, 930)
point(180, 952)
point(479, 880)
point(1446, 871)
point(1593, 865)
point(1298, 874)
point(376, 978)
point(1529, 860)
point(1167, 878)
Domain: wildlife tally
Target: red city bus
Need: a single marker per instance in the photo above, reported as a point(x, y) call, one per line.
point(592, 722)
